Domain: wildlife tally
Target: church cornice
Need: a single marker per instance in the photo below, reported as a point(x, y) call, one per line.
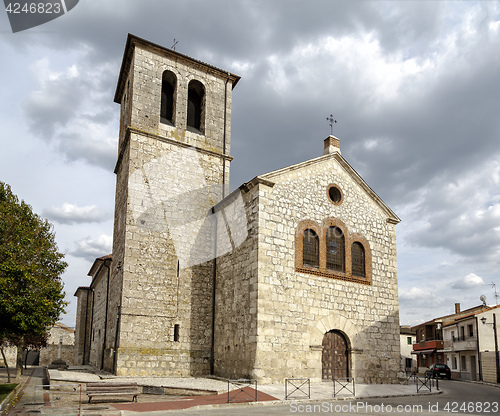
point(132, 130)
point(133, 41)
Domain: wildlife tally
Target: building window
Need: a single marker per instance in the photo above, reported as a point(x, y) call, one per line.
point(408, 340)
point(358, 260)
point(168, 85)
point(335, 194)
point(176, 332)
point(310, 249)
point(328, 249)
point(471, 331)
point(335, 249)
point(196, 104)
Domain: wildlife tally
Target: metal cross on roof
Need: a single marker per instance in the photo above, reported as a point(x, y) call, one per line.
point(332, 121)
point(175, 43)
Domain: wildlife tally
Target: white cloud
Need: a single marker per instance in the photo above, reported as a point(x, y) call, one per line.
point(469, 281)
point(91, 249)
point(72, 214)
point(414, 293)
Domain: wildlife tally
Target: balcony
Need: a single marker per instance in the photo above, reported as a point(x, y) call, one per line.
point(461, 344)
point(428, 345)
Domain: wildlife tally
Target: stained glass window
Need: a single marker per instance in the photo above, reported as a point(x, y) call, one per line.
point(358, 260)
point(310, 249)
point(335, 249)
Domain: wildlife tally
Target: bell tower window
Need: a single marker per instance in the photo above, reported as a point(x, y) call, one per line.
point(168, 85)
point(196, 107)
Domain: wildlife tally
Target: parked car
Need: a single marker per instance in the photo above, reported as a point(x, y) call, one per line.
point(441, 370)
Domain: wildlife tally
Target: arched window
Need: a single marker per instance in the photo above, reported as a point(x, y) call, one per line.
point(335, 249)
point(195, 110)
point(168, 85)
point(358, 260)
point(310, 249)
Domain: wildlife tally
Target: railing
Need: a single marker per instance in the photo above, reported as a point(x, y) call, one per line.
point(344, 384)
point(426, 382)
point(297, 385)
point(241, 389)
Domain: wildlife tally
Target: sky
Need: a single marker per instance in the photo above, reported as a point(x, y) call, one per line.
point(414, 87)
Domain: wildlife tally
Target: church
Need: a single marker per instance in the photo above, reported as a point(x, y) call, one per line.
point(291, 275)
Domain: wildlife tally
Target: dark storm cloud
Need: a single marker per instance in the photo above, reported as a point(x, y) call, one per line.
point(413, 85)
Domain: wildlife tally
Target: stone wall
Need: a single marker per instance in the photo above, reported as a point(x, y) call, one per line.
point(295, 310)
point(236, 300)
point(488, 363)
point(168, 178)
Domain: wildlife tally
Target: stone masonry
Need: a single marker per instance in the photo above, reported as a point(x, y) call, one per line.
point(206, 282)
point(163, 172)
point(271, 319)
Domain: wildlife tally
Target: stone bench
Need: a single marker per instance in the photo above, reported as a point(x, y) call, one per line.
point(103, 389)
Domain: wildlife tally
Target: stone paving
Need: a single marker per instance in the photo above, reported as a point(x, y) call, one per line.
point(66, 398)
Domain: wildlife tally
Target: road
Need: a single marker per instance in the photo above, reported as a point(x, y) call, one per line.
point(457, 398)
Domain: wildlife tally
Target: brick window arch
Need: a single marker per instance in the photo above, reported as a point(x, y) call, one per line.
point(196, 106)
point(358, 259)
point(305, 235)
point(168, 86)
point(310, 248)
point(335, 249)
point(331, 251)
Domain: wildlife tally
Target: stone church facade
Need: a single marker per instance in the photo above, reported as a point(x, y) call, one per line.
point(293, 274)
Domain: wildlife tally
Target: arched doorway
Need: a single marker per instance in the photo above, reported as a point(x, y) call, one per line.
point(335, 357)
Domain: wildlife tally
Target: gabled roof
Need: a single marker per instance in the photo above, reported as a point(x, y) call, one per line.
point(450, 317)
point(268, 177)
point(478, 312)
point(98, 263)
point(133, 41)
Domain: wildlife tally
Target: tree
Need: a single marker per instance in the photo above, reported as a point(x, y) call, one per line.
point(31, 289)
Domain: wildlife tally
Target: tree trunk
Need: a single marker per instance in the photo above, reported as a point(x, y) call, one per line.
point(19, 359)
point(6, 363)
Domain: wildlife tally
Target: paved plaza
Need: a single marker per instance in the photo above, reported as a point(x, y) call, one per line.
point(67, 393)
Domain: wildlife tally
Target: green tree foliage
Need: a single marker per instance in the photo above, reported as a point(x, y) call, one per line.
point(31, 289)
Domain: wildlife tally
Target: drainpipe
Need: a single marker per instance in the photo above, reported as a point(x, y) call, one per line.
point(105, 316)
point(116, 338)
point(224, 140)
point(214, 281)
point(86, 323)
point(91, 335)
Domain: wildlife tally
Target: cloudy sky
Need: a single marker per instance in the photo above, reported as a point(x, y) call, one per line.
point(414, 85)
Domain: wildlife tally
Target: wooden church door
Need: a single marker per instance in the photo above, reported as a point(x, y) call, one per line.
point(335, 357)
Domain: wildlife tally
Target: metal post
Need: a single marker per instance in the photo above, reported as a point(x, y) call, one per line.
point(497, 356)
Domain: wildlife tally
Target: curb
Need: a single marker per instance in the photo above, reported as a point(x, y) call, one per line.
point(6, 403)
point(271, 403)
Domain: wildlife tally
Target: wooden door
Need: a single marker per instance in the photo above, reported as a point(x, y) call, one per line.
point(335, 358)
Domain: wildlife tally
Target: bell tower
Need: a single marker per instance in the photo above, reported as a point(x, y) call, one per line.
point(172, 167)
